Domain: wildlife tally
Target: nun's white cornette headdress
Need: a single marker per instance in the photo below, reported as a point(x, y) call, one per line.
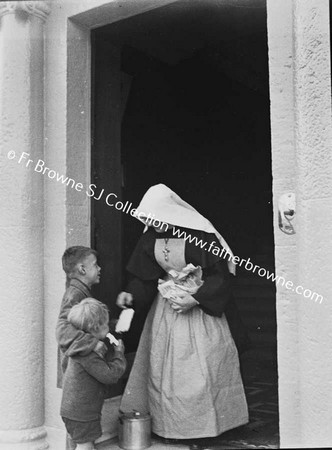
point(166, 206)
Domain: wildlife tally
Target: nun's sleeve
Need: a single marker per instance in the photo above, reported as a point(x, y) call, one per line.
point(143, 292)
point(215, 293)
point(215, 296)
point(144, 272)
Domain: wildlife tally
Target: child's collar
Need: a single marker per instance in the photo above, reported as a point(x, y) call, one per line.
point(79, 284)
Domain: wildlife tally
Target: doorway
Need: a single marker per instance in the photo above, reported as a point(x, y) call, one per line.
point(181, 98)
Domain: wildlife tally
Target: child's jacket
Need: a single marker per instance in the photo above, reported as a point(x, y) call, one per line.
point(66, 333)
point(85, 380)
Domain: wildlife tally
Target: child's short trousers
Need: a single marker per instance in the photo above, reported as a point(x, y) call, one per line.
point(82, 432)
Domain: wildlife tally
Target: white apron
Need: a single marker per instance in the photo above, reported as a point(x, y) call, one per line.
point(186, 371)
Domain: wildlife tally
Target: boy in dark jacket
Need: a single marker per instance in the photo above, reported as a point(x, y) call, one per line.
point(86, 376)
point(82, 271)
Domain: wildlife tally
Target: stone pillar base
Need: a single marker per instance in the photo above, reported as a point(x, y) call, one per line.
point(29, 439)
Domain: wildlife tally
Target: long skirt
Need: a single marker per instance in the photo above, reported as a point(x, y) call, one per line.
point(186, 374)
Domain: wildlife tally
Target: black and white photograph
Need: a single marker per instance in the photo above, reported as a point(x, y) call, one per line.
point(165, 224)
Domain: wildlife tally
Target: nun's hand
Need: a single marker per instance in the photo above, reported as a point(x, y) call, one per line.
point(124, 300)
point(183, 303)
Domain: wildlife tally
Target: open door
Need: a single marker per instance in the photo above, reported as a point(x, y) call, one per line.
point(197, 120)
point(106, 177)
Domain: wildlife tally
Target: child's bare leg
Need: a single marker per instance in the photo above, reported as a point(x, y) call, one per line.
point(85, 446)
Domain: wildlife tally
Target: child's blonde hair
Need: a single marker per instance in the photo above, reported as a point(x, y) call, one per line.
point(88, 315)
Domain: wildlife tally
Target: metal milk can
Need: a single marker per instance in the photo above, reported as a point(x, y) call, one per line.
point(134, 430)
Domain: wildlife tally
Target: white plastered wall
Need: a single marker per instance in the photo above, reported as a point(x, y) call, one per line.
point(300, 92)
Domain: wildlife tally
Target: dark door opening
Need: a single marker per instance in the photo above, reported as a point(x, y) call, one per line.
point(181, 98)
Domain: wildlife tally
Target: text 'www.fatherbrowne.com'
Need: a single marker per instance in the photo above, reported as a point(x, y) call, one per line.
point(248, 265)
point(92, 191)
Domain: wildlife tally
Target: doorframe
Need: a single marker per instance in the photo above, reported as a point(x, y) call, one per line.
point(301, 129)
point(79, 26)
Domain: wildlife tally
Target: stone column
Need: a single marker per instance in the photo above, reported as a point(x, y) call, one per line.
point(21, 225)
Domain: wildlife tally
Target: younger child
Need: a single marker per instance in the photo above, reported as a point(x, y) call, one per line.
point(82, 270)
point(86, 376)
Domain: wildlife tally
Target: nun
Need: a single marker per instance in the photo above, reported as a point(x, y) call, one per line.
point(186, 372)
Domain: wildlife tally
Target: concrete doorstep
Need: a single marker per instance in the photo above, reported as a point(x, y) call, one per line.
point(113, 444)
